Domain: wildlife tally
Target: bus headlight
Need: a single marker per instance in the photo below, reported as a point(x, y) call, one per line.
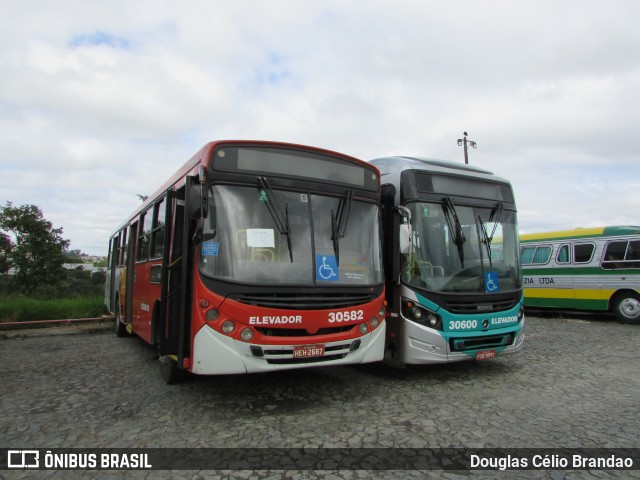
point(246, 334)
point(364, 328)
point(374, 322)
point(212, 315)
point(228, 326)
point(382, 312)
point(420, 315)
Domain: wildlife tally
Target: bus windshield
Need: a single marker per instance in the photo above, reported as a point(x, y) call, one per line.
point(264, 236)
point(459, 248)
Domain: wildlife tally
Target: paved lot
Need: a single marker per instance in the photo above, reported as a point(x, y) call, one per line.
point(576, 384)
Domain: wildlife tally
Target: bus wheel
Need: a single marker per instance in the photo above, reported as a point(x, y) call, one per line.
point(170, 371)
point(627, 308)
point(121, 329)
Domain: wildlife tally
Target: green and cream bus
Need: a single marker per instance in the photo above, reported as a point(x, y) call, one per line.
point(594, 269)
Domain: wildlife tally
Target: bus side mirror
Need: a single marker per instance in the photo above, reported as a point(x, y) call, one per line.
point(404, 239)
point(404, 231)
point(402, 243)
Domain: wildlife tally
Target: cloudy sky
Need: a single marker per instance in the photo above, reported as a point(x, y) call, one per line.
point(102, 100)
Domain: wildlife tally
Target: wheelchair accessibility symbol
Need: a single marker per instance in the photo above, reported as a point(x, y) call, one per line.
point(326, 268)
point(491, 282)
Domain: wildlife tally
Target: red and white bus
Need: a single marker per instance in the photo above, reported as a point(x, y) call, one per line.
point(254, 256)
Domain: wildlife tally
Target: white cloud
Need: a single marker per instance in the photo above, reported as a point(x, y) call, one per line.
point(103, 100)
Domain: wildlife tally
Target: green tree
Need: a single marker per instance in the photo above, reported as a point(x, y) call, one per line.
point(36, 250)
point(5, 252)
point(73, 256)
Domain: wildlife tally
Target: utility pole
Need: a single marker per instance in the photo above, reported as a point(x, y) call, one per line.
point(465, 142)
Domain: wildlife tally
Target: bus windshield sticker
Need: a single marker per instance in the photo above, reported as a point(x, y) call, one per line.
point(210, 249)
point(304, 198)
point(491, 282)
point(326, 268)
point(355, 269)
point(260, 238)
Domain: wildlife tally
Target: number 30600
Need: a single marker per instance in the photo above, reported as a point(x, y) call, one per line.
point(463, 324)
point(352, 316)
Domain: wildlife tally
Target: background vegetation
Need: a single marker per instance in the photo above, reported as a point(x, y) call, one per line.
point(34, 285)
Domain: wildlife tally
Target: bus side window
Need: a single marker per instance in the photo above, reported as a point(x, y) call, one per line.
point(122, 258)
point(563, 254)
point(112, 242)
point(526, 255)
point(614, 255)
point(633, 251)
point(144, 236)
point(157, 240)
point(632, 259)
point(543, 254)
point(535, 255)
point(582, 252)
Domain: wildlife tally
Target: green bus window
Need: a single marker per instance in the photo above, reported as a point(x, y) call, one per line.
point(543, 254)
point(535, 255)
point(563, 254)
point(526, 255)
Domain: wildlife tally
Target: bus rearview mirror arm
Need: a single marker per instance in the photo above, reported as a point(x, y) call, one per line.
point(198, 205)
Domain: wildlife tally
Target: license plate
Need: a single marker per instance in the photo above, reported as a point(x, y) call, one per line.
point(485, 355)
point(306, 351)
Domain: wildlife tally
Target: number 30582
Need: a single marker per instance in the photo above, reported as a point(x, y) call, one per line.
point(351, 316)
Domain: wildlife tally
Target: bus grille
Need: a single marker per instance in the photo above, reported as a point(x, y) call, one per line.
point(480, 343)
point(469, 307)
point(301, 332)
point(303, 302)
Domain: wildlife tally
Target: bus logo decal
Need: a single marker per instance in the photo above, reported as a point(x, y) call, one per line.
point(491, 282)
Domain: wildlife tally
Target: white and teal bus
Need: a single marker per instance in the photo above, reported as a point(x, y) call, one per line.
point(595, 269)
point(454, 283)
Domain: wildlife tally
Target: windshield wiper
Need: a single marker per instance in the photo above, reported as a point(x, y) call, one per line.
point(494, 216)
point(339, 223)
point(486, 239)
point(455, 228)
point(334, 237)
point(280, 219)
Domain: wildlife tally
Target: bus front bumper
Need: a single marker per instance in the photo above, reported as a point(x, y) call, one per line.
point(218, 354)
point(425, 345)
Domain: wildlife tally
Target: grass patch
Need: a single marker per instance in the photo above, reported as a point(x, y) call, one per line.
point(23, 309)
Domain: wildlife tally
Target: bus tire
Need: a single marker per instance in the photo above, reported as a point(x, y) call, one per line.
point(170, 371)
point(626, 307)
point(121, 329)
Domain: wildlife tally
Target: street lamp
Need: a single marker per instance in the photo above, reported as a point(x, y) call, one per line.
point(465, 142)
